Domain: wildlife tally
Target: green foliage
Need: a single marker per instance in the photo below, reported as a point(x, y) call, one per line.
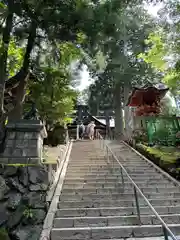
point(162, 130)
point(15, 57)
point(52, 92)
point(28, 213)
point(140, 135)
point(3, 13)
point(53, 96)
point(163, 47)
point(69, 52)
point(172, 79)
point(157, 57)
point(156, 52)
point(57, 33)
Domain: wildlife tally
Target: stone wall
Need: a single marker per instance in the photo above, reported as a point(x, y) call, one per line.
point(22, 202)
point(23, 181)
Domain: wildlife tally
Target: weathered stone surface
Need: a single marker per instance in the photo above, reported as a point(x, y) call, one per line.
point(3, 188)
point(27, 233)
point(14, 184)
point(34, 160)
point(16, 217)
point(73, 234)
point(33, 142)
point(30, 152)
point(38, 187)
point(33, 216)
point(38, 215)
point(11, 135)
point(23, 189)
point(22, 143)
point(4, 160)
point(31, 135)
point(10, 171)
point(23, 140)
point(35, 200)
point(17, 152)
point(3, 215)
point(38, 175)
point(23, 176)
point(1, 169)
point(14, 201)
point(8, 152)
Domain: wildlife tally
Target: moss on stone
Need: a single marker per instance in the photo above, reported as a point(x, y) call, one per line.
point(167, 155)
point(4, 234)
point(20, 165)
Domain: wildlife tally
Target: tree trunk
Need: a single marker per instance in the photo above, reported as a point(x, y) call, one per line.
point(107, 124)
point(17, 112)
point(4, 56)
point(118, 112)
point(29, 47)
point(23, 76)
point(97, 108)
point(126, 111)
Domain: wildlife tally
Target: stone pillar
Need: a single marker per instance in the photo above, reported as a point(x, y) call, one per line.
point(24, 142)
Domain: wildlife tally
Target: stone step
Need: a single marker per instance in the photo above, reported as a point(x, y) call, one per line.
point(107, 166)
point(144, 238)
point(110, 232)
point(119, 189)
point(113, 221)
point(114, 211)
point(113, 196)
point(110, 166)
point(111, 175)
point(117, 184)
point(94, 206)
point(148, 238)
point(117, 203)
point(113, 181)
point(110, 171)
point(103, 160)
point(114, 174)
point(94, 166)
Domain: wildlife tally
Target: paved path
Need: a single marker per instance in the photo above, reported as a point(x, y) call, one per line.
point(94, 205)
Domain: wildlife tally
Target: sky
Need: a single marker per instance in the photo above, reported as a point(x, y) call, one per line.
point(85, 77)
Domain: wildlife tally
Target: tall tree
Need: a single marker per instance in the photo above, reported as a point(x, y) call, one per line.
point(37, 22)
point(123, 68)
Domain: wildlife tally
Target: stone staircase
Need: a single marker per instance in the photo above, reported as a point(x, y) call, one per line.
point(94, 205)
